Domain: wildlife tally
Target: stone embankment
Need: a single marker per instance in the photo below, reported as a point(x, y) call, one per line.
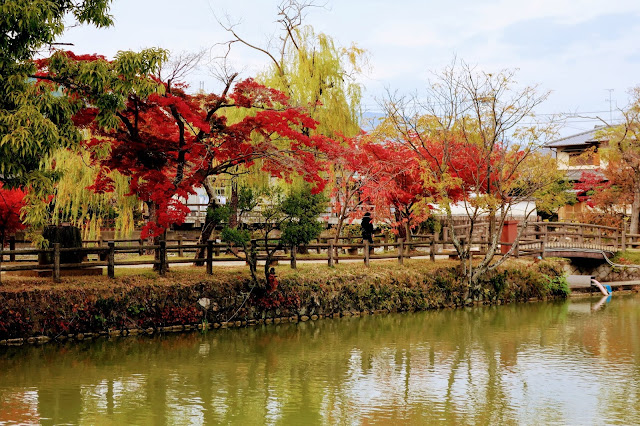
point(603, 271)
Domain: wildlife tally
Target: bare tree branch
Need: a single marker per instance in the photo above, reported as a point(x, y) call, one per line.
point(180, 65)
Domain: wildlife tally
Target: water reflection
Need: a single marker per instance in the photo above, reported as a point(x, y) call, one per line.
point(545, 362)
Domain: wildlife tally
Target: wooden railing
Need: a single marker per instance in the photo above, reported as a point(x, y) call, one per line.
point(541, 237)
point(536, 239)
point(105, 254)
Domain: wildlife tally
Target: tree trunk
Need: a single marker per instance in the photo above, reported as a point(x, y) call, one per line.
point(209, 223)
point(233, 205)
point(251, 255)
point(635, 211)
point(156, 253)
point(205, 233)
point(407, 231)
point(153, 217)
point(402, 229)
point(492, 223)
point(336, 238)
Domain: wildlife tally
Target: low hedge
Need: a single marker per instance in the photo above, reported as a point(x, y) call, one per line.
point(152, 304)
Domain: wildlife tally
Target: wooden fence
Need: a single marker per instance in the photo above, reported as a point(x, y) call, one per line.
point(537, 239)
point(26, 259)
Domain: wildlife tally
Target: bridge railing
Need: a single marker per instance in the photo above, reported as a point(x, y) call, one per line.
point(561, 235)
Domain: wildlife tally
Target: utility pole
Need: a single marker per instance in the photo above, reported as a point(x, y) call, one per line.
point(610, 100)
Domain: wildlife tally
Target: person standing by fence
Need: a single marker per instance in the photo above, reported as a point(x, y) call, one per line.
point(367, 228)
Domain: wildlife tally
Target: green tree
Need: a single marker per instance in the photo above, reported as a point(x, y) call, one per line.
point(556, 192)
point(301, 210)
point(34, 120)
point(296, 215)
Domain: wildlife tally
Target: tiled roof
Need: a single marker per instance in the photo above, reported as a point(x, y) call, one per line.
point(575, 175)
point(584, 138)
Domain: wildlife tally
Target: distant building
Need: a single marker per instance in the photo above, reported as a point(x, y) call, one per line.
point(576, 154)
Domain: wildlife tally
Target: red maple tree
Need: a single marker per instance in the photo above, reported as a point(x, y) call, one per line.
point(11, 202)
point(168, 142)
point(347, 176)
point(607, 192)
point(397, 185)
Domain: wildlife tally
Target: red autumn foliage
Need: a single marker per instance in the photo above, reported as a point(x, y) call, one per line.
point(11, 202)
point(465, 166)
point(606, 191)
point(169, 143)
point(592, 187)
point(398, 183)
point(398, 174)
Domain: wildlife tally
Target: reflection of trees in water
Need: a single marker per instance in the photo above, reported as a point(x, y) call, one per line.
point(455, 365)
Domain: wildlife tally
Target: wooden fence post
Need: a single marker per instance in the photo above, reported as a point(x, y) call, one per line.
point(210, 256)
point(330, 254)
point(56, 262)
point(101, 256)
point(366, 253)
point(111, 259)
point(180, 251)
point(545, 236)
point(163, 257)
point(401, 250)
point(12, 247)
point(432, 249)
point(294, 252)
point(624, 235)
point(254, 251)
point(599, 239)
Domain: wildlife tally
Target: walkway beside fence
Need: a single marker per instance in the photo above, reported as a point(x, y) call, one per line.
point(537, 239)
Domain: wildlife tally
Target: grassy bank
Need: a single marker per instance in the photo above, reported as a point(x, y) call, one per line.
point(147, 303)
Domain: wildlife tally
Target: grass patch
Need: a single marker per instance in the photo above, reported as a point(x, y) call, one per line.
point(627, 257)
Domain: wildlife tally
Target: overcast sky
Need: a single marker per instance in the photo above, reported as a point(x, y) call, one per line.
point(576, 48)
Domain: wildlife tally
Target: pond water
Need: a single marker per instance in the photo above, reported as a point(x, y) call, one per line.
point(573, 362)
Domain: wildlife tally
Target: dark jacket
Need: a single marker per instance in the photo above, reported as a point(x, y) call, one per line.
point(367, 228)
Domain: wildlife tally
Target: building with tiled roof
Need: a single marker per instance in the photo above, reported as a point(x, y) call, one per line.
point(576, 154)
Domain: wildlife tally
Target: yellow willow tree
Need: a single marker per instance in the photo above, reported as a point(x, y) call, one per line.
point(312, 70)
point(316, 74)
point(319, 75)
point(74, 202)
point(476, 136)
